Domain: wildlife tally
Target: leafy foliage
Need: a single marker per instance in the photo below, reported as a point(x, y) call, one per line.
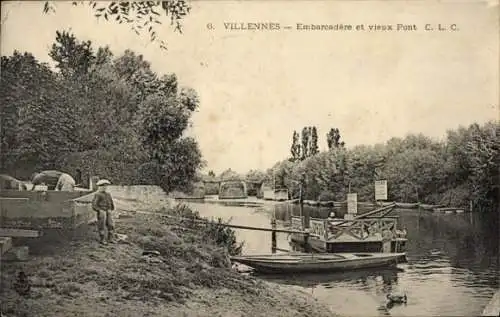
point(214, 231)
point(104, 113)
point(142, 16)
point(305, 144)
point(314, 142)
point(461, 170)
point(295, 149)
point(38, 122)
point(333, 139)
point(230, 175)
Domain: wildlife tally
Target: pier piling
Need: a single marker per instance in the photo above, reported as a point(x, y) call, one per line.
point(273, 236)
point(307, 246)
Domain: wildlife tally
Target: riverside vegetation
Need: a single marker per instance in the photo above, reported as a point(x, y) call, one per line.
point(460, 170)
point(102, 113)
point(191, 276)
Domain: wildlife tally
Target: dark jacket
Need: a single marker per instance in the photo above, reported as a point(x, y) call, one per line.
point(102, 201)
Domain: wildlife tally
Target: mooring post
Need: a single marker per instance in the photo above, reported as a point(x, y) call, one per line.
point(307, 246)
point(273, 235)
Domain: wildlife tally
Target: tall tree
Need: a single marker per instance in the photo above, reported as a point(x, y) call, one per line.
point(295, 148)
point(72, 57)
point(314, 142)
point(333, 139)
point(40, 122)
point(305, 143)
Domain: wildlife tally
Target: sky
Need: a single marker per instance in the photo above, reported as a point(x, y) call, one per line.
point(257, 87)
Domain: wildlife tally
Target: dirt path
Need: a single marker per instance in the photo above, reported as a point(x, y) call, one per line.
point(190, 278)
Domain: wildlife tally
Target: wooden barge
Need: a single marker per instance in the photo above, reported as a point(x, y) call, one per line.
point(365, 233)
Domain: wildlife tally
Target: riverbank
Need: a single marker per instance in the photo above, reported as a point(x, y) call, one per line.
point(191, 276)
point(252, 201)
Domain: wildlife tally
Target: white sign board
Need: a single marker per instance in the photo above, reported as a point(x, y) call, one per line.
point(381, 190)
point(352, 203)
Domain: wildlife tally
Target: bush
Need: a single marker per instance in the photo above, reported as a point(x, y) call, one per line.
point(326, 196)
point(214, 231)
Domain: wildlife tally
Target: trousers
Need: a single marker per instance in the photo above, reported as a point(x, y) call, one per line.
point(105, 221)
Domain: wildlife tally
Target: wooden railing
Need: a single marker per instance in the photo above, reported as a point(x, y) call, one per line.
point(360, 229)
point(297, 223)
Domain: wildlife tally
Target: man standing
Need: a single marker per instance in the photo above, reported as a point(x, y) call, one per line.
point(103, 205)
point(65, 183)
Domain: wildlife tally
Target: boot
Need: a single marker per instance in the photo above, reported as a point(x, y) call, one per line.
point(102, 240)
point(111, 237)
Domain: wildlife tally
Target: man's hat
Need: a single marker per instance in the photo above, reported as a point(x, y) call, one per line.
point(102, 182)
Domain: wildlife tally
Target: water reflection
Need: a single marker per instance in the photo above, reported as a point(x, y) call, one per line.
point(384, 277)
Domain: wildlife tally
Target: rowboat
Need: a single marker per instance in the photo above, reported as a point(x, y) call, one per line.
point(407, 205)
point(309, 262)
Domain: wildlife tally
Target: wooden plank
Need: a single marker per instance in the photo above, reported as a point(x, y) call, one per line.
point(11, 232)
point(5, 244)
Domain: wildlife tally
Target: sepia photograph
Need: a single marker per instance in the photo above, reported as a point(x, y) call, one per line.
point(251, 158)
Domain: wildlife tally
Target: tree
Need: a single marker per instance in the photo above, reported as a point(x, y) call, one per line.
point(9, 108)
point(333, 139)
point(161, 122)
point(314, 142)
point(305, 143)
point(39, 122)
point(140, 15)
point(72, 57)
point(229, 175)
point(211, 173)
point(295, 148)
point(109, 114)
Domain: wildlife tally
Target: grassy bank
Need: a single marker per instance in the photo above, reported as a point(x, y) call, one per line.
point(192, 276)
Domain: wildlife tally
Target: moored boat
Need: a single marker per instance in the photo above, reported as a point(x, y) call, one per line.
point(311, 263)
point(429, 207)
point(407, 205)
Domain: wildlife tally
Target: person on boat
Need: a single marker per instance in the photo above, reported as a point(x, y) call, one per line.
point(65, 183)
point(103, 205)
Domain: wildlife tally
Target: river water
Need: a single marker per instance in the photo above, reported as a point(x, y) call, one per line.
point(452, 267)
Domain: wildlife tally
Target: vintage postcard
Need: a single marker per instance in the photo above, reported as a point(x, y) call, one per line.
point(249, 158)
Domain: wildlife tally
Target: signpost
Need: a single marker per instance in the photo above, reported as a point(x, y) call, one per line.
point(381, 190)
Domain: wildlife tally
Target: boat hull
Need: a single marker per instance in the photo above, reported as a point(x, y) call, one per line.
point(346, 262)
